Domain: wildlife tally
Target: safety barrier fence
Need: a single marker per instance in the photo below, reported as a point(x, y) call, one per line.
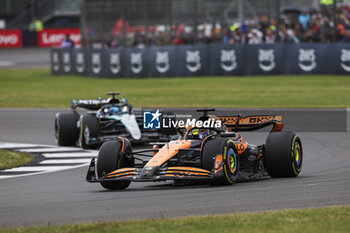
point(202, 60)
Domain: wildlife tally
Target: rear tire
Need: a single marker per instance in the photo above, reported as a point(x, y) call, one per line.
point(111, 157)
point(66, 129)
point(227, 148)
point(88, 129)
point(283, 154)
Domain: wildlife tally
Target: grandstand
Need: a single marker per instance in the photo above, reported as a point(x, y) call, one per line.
point(53, 13)
point(140, 23)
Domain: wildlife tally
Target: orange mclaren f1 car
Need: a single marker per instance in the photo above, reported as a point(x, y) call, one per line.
point(218, 156)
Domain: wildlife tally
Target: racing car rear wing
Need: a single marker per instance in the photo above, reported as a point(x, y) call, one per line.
point(89, 104)
point(252, 122)
point(96, 104)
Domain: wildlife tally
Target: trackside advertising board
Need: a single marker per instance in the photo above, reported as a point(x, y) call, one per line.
point(201, 60)
point(54, 37)
point(10, 38)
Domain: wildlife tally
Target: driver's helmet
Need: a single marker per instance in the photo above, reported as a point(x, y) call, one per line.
point(114, 110)
point(200, 133)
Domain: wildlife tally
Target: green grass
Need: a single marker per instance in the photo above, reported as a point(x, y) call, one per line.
point(37, 88)
point(316, 220)
point(10, 159)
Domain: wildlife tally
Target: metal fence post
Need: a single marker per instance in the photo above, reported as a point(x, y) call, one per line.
point(334, 20)
point(240, 11)
point(195, 19)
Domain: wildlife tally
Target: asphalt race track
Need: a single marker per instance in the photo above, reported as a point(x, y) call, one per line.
point(25, 58)
point(64, 196)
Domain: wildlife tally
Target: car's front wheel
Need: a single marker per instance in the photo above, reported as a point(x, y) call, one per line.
point(112, 156)
point(227, 149)
point(88, 130)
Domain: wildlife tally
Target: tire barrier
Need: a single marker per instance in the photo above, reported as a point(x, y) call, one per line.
point(204, 60)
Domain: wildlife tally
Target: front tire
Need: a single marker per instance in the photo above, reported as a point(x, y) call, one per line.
point(227, 148)
point(112, 156)
point(66, 129)
point(283, 154)
point(88, 129)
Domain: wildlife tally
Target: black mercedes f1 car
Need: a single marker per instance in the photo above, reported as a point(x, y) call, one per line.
point(214, 155)
point(106, 119)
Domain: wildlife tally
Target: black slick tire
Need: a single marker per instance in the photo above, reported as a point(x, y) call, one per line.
point(112, 156)
point(283, 154)
point(88, 129)
point(66, 129)
point(227, 149)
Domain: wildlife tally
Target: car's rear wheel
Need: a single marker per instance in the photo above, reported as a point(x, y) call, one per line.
point(66, 129)
point(283, 155)
point(88, 130)
point(112, 156)
point(227, 149)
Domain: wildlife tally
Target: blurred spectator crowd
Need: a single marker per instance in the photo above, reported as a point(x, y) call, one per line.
point(293, 26)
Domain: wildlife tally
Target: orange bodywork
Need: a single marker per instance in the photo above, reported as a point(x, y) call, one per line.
point(168, 151)
point(218, 163)
point(122, 172)
point(241, 147)
point(278, 127)
point(187, 176)
point(185, 173)
point(188, 169)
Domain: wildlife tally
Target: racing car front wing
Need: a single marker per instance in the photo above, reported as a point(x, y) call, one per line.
point(162, 174)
